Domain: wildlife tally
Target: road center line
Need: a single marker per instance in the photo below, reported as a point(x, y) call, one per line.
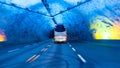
point(30, 58)
point(34, 58)
point(82, 59)
point(45, 49)
point(73, 49)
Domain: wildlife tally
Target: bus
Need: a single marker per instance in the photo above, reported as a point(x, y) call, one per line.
point(60, 34)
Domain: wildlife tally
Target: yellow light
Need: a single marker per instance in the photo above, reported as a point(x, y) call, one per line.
point(102, 35)
point(115, 30)
point(2, 36)
point(105, 28)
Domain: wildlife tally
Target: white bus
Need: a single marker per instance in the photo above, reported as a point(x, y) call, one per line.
point(60, 34)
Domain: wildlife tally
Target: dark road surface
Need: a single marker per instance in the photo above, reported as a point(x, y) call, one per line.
point(66, 55)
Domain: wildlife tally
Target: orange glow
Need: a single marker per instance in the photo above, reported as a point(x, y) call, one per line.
point(2, 36)
point(115, 30)
point(103, 29)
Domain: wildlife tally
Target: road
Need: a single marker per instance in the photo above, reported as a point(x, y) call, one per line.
point(66, 55)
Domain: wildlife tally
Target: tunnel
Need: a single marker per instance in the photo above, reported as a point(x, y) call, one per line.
point(27, 33)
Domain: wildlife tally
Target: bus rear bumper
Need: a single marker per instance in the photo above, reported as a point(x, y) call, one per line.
point(60, 39)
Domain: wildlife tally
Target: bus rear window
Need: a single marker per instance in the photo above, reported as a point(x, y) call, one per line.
point(59, 28)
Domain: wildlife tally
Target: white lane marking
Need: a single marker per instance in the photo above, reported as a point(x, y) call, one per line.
point(30, 58)
point(82, 58)
point(45, 49)
point(69, 44)
point(13, 50)
point(73, 49)
point(34, 58)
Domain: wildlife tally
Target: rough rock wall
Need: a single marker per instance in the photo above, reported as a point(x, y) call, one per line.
point(30, 21)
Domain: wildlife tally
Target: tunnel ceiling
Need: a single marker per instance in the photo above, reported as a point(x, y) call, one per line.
point(30, 21)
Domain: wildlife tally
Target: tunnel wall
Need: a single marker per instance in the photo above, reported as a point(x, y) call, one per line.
point(21, 26)
point(93, 20)
point(32, 21)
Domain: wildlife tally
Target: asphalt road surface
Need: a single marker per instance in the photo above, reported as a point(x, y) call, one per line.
point(47, 54)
